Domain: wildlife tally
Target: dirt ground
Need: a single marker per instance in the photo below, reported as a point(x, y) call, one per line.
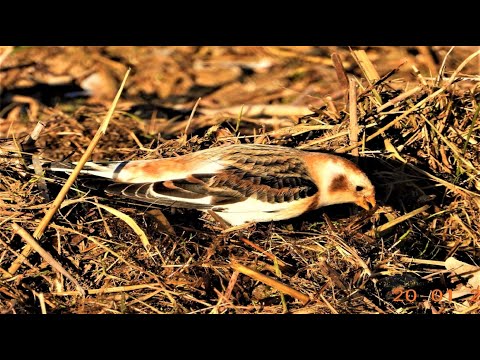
point(418, 140)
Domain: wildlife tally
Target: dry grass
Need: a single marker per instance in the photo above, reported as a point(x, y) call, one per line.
point(417, 138)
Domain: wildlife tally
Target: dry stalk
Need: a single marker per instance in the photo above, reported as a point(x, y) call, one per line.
point(45, 255)
point(417, 105)
point(353, 131)
point(71, 179)
point(270, 282)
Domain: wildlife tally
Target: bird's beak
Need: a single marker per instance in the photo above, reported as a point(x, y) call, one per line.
point(366, 202)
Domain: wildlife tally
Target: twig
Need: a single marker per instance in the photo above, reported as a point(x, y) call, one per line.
point(71, 179)
point(398, 220)
point(443, 66)
point(368, 70)
point(297, 130)
point(45, 255)
point(73, 176)
point(331, 137)
point(113, 290)
point(406, 259)
point(231, 285)
point(399, 98)
point(184, 138)
point(419, 75)
point(370, 303)
point(6, 274)
point(352, 101)
point(332, 309)
point(29, 141)
point(264, 252)
point(366, 66)
point(270, 282)
point(340, 71)
point(41, 298)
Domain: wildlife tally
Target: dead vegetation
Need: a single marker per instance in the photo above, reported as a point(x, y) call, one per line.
point(409, 114)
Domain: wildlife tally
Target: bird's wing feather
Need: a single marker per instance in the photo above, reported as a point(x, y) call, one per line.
point(158, 194)
point(266, 174)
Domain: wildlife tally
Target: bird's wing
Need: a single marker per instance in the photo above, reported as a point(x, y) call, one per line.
point(264, 173)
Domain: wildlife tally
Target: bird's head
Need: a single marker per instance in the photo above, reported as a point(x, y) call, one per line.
point(343, 182)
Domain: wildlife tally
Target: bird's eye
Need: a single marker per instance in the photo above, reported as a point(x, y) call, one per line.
point(359, 188)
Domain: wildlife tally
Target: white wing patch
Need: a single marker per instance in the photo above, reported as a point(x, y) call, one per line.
point(105, 170)
point(241, 212)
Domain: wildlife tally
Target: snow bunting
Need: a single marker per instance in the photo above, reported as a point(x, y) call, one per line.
point(240, 183)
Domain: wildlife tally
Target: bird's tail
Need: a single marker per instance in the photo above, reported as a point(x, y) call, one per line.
point(104, 170)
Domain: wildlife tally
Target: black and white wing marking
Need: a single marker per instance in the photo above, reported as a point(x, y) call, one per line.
point(268, 174)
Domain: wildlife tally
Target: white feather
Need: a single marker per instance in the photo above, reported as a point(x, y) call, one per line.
point(241, 212)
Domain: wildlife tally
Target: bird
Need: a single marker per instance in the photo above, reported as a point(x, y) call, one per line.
point(241, 183)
